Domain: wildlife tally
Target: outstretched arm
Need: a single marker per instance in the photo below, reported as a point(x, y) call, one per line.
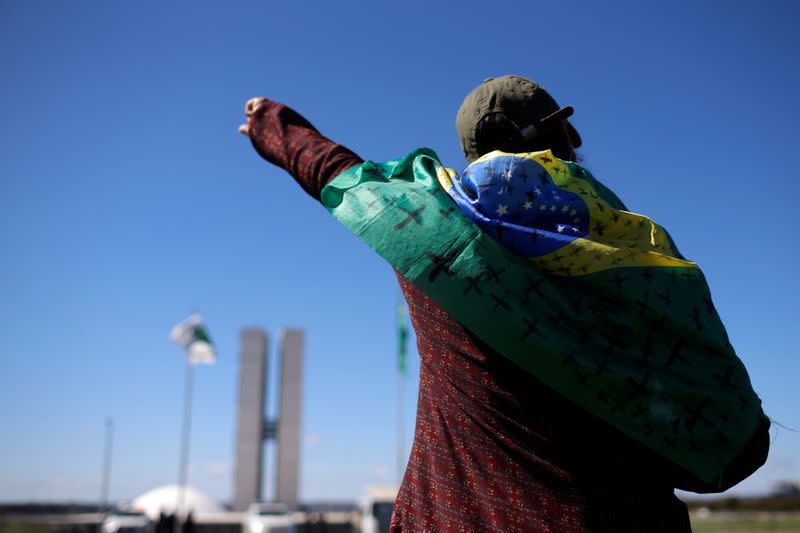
point(283, 137)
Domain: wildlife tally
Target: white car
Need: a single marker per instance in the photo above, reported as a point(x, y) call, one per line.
point(121, 521)
point(376, 509)
point(269, 518)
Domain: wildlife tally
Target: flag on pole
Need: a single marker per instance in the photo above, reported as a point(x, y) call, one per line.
point(402, 338)
point(192, 334)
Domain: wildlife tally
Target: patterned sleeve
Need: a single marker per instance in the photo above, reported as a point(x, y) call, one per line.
point(283, 137)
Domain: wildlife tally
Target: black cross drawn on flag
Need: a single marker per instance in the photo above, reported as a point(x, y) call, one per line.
point(500, 301)
point(533, 286)
point(472, 284)
point(675, 355)
point(695, 316)
point(696, 415)
point(494, 275)
point(442, 263)
point(446, 213)
point(532, 329)
point(413, 216)
point(725, 380)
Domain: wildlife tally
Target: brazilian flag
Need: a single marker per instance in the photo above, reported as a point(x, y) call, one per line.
point(549, 268)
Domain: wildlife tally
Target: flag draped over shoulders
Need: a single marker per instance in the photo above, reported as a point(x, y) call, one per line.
point(553, 272)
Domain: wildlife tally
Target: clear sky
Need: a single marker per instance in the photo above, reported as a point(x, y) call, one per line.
point(128, 200)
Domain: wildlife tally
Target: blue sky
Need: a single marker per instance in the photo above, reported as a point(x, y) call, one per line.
point(128, 200)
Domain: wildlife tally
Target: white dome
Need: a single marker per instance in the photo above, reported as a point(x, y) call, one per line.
point(165, 499)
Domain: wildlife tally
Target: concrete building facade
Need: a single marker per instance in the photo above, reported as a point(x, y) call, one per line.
point(252, 428)
point(250, 418)
point(288, 463)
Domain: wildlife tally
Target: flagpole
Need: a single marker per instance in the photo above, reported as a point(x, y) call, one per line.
point(106, 479)
point(185, 433)
point(199, 349)
point(399, 428)
point(400, 317)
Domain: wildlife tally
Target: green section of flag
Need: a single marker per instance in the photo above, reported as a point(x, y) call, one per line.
point(193, 336)
point(200, 334)
point(641, 348)
point(402, 339)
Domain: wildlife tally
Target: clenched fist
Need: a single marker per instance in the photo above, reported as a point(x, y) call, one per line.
point(250, 109)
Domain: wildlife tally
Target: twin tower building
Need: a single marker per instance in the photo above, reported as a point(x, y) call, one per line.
point(252, 427)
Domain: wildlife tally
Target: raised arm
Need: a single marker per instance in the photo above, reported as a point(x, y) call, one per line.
point(283, 137)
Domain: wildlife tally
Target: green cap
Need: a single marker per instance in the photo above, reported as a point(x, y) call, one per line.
point(519, 100)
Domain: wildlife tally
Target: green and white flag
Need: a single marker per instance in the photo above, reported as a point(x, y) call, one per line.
point(192, 334)
point(402, 338)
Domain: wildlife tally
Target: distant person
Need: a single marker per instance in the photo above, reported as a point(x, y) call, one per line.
point(161, 525)
point(170, 522)
point(573, 368)
point(188, 524)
